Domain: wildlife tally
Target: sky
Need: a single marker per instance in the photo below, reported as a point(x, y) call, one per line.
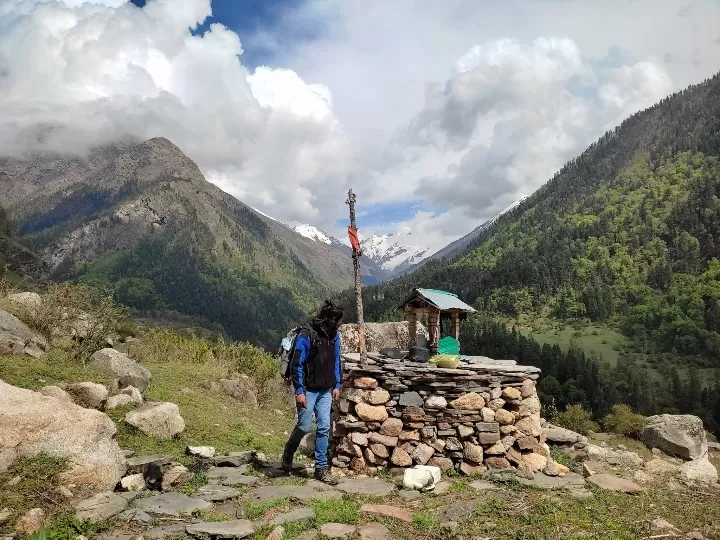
point(437, 114)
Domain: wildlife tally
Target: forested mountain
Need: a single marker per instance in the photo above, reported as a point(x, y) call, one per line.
point(14, 256)
point(142, 219)
point(627, 234)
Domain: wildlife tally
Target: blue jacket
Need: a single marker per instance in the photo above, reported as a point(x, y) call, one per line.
point(300, 357)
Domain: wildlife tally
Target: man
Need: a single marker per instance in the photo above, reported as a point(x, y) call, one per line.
point(316, 377)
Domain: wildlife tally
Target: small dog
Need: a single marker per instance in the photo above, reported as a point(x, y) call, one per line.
point(153, 474)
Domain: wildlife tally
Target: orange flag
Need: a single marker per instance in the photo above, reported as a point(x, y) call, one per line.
point(352, 233)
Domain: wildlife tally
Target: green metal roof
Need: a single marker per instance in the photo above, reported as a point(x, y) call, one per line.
point(442, 300)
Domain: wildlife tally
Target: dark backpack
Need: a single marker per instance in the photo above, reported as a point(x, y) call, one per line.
point(286, 355)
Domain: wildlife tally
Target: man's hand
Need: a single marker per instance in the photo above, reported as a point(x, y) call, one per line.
point(301, 400)
point(336, 394)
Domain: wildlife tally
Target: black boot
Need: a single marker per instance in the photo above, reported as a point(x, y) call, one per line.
point(322, 474)
point(287, 460)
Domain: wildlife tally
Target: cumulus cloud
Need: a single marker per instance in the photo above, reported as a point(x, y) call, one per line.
point(464, 108)
point(91, 72)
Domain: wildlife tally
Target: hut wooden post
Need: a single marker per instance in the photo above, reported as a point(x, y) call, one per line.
point(455, 326)
point(412, 328)
point(434, 330)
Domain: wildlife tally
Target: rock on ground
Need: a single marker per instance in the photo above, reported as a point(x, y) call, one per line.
point(17, 338)
point(366, 486)
point(119, 400)
point(679, 435)
point(200, 451)
point(125, 370)
point(31, 522)
point(379, 336)
point(100, 507)
point(421, 477)
point(374, 531)
point(560, 435)
point(31, 423)
point(172, 504)
point(699, 470)
point(609, 482)
point(241, 389)
point(161, 420)
point(175, 476)
point(88, 394)
point(133, 482)
point(236, 528)
point(337, 530)
point(57, 393)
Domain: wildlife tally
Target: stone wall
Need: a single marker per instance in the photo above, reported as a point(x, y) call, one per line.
point(483, 415)
point(379, 336)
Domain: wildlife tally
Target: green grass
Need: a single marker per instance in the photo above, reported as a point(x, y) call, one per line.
point(425, 522)
point(343, 510)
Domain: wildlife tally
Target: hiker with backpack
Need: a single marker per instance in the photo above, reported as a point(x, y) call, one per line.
point(315, 371)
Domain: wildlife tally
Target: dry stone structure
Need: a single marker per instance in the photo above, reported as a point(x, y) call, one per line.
point(483, 415)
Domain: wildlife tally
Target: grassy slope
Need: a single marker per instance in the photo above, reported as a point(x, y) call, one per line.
point(511, 513)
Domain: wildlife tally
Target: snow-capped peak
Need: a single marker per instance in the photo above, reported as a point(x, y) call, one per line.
point(393, 251)
point(308, 231)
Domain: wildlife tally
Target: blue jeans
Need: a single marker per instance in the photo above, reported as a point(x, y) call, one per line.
point(320, 403)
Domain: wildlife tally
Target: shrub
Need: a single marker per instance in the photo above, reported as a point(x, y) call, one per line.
point(577, 418)
point(623, 421)
point(88, 314)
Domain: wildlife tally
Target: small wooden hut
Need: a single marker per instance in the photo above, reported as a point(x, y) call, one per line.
point(436, 304)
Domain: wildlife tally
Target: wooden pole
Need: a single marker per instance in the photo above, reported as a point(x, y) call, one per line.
point(358, 286)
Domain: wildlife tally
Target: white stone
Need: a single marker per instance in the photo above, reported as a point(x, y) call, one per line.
point(134, 482)
point(422, 477)
point(161, 420)
point(435, 402)
point(699, 470)
point(200, 451)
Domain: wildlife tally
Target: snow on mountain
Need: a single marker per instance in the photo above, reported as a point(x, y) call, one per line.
point(393, 252)
point(308, 231)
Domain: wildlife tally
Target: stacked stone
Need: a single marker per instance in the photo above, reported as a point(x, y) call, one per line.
point(479, 417)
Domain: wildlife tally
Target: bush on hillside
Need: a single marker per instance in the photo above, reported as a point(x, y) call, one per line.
point(578, 419)
point(623, 421)
point(164, 345)
point(87, 314)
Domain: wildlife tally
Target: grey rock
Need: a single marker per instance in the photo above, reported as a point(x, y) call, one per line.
point(57, 393)
point(234, 459)
point(137, 464)
point(119, 400)
point(560, 435)
point(483, 485)
point(231, 476)
point(298, 514)
point(410, 495)
point(164, 531)
point(160, 420)
point(100, 507)
point(571, 481)
point(125, 370)
point(136, 516)
point(678, 435)
point(699, 470)
point(200, 451)
point(17, 338)
point(337, 530)
point(374, 531)
point(308, 535)
point(411, 399)
point(457, 511)
point(299, 493)
point(436, 402)
point(88, 394)
point(234, 529)
point(172, 504)
point(216, 493)
point(366, 486)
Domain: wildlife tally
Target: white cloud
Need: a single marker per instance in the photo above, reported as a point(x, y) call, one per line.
point(464, 104)
point(105, 69)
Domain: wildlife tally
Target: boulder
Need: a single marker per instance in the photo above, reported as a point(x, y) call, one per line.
point(241, 389)
point(175, 476)
point(134, 393)
point(379, 336)
point(31, 423)
point(17, 338)
point(119, 400)
point(699, 470)
point(31, 522)
point(161, 420)
point(558, 435)
point(57, 393)
point(88, 394)
point(678, 435)
point(125, 370)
